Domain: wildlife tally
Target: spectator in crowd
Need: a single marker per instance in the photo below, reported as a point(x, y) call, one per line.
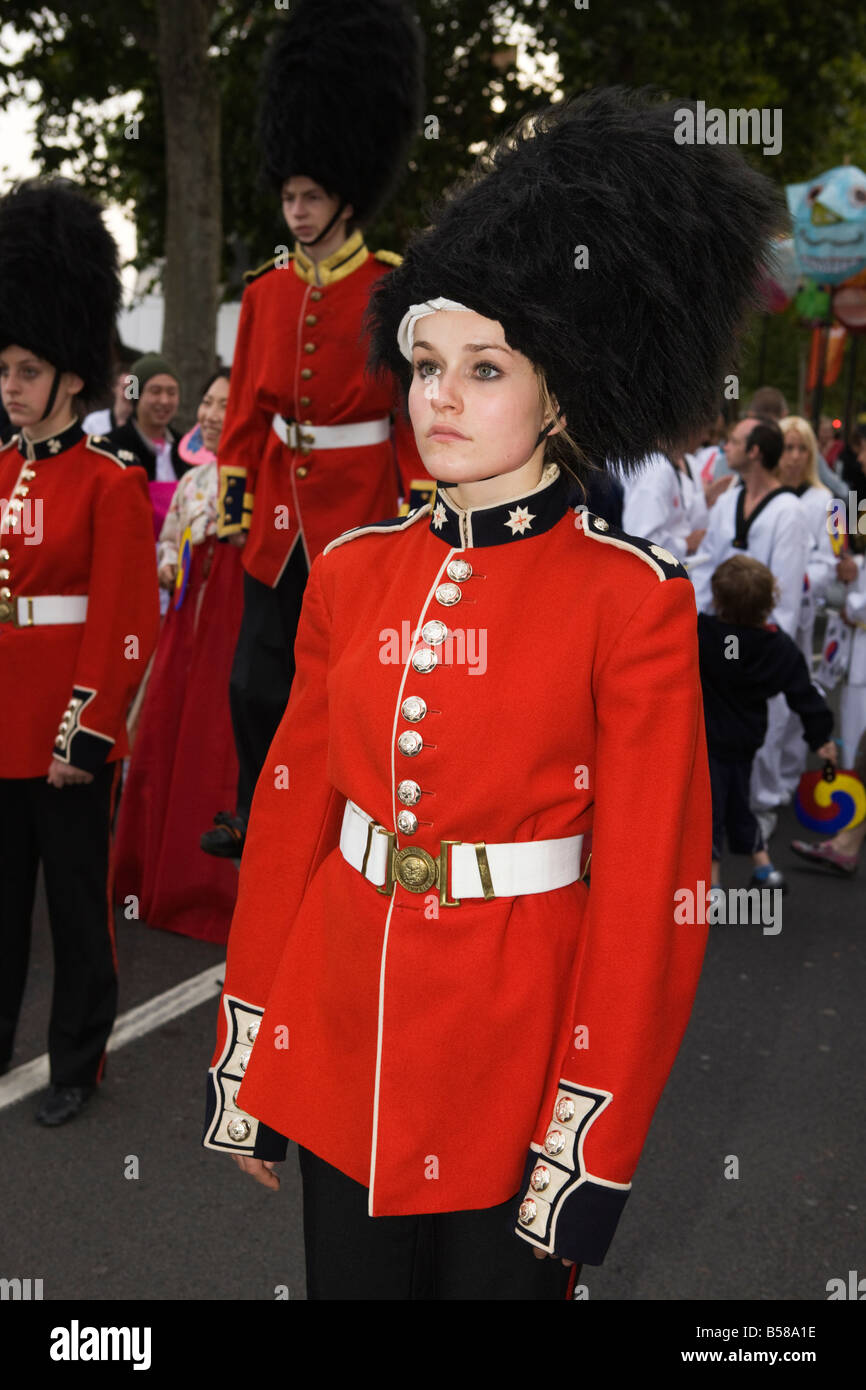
point(798, 469)
point(173, 775)
point(765, 519)
point(830, 441)
point(743, 664)
point(768, 400)
point(664, 502)
point(117, 414)
point(147, 436)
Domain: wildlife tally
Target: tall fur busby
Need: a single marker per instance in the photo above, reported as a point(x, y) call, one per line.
point(59, 282)
point(343, 98)
point(619, 261)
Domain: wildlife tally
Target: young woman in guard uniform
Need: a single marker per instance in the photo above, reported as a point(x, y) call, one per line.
point(465, 1037)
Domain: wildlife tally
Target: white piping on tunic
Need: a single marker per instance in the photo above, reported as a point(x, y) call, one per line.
point(381, 1011)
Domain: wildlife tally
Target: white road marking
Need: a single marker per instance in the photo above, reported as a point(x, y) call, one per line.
point(153, 1013)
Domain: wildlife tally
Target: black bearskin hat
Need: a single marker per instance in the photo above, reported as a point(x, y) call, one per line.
point(635, 332)
point(59, 283)
point(343, 98)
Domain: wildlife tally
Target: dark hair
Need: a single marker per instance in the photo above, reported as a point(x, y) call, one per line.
point(744, 591)
point(769, 440)
point(768, 400)
point(223, 372)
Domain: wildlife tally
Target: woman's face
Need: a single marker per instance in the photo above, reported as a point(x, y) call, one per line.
point(474, 402)
point(25, 386)
point(212, 411)
point(794, 460)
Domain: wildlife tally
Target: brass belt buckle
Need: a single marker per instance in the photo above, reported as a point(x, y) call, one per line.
point(418, 871)
point(9, 612)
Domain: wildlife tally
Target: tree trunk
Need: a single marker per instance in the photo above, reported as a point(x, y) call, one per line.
point(193, 230)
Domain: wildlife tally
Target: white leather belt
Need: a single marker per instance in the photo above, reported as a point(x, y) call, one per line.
point(476, 870)
point(332, 436)
point(48, 608)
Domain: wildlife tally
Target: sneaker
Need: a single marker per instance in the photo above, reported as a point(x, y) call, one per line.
point(772, 878)
point(825, 856)
point(227, 841)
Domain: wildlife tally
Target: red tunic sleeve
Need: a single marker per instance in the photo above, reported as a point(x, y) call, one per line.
point(245, 430)
point(122, 622)
point(295, 808)
point(640, 964)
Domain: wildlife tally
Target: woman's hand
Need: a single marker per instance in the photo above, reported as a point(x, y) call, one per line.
point(239, 539)
point(829, 752)
point(259, 1168)
point(65, 775)
point(167, 576)
point(847, 570)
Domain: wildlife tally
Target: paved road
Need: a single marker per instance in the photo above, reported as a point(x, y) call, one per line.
point(771, 1073)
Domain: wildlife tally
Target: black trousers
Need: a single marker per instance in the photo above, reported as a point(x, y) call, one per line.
point(69, 829)
point(264, 668)
point(729, 783)
point(461, 1255)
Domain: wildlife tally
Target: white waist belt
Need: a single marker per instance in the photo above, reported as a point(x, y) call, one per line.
point(51, 608)
point(332, 436)
point(531, 866)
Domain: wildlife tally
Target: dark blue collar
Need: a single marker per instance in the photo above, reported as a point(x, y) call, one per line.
point(50, 448)
point(530, 514)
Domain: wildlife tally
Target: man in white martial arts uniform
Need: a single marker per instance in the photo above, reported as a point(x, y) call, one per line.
point(766, 520)
point(665, 504)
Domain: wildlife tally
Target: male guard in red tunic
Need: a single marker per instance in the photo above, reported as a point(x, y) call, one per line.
point(313, 443)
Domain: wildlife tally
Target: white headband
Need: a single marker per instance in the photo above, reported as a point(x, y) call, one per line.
point(406, 331)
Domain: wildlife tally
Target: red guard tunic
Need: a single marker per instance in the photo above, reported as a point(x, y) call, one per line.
point(300, 355)
point(448, 1057)
point(76, 524)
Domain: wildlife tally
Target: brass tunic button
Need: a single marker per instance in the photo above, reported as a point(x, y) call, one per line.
point(413, 708)
point(317, 294)
point(601, 524)
point(28, 473)
point(5, 593)
point(528, 1211)
point(21, 490)
point(407, 824)
point(409, 793)
point(458, 569)
point(244, 1058)
point(253, 1032)
point(5, 612)
point(306, 373)
point(302, 469)
point(448, 594)
point(540, 1178)
point(434, 632)
point(423, 660)
point(311, 319)
point(5, 574)
point(309, 347)
point(410, 743)
point(564, 1110)
point(4, 554)
point(555, 1142)
point(305, 400)
point(238, 1130)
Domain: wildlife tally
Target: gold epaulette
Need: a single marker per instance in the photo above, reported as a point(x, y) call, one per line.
point(250, 275)
point(389, 257)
